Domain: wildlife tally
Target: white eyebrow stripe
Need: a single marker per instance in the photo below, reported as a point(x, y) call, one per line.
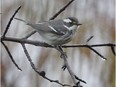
point(67, 20)
point(52, 28)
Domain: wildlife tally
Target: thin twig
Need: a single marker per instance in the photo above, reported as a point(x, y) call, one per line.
point(28, 57)
point(8, 25)
point(40, 72)
point(10, 55)
point(33, 32)
point(61, 10)
point(94, 45)
point(94, 49)
point(113, 50)
point(89, 39)
point(97, 52)
point(80, 79)
point(64, 56)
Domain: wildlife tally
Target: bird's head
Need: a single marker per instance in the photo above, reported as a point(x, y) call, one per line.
point(71, 23)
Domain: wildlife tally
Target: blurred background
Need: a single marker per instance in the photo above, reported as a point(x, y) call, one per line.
point(98, 19)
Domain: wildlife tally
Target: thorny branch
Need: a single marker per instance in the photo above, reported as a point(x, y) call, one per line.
point(24, 41)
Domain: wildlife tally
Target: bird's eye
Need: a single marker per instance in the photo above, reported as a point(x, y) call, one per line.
point(71, 23)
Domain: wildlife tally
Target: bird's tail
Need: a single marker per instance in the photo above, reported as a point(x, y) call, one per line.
point(21, 20)
point(28, 23)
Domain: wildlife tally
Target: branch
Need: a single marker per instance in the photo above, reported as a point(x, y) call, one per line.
point(89, 39)
point(43, 44)
point(25, 41)
point(33, 32)
point(41, 73)
point(97, 52)
point(11, 57)
point(8, 25)
point(113, 50)
point(61, 10)
point(73, 76)
point(6, 30)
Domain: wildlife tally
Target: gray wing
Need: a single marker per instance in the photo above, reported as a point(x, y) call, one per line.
point(53, 26)
point(58, 26)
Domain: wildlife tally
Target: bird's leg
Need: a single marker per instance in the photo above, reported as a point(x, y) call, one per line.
point(63, 54)
point(59, 48)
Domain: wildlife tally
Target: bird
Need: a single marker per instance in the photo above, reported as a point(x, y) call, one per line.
point(55, 32)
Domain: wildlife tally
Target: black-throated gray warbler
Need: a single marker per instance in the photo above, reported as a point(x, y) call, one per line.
point(56, 32)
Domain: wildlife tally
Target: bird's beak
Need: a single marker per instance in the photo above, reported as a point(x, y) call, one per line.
point(79, 24)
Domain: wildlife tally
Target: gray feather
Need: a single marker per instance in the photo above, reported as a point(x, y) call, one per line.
point(44, 26)
point(20, 20)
